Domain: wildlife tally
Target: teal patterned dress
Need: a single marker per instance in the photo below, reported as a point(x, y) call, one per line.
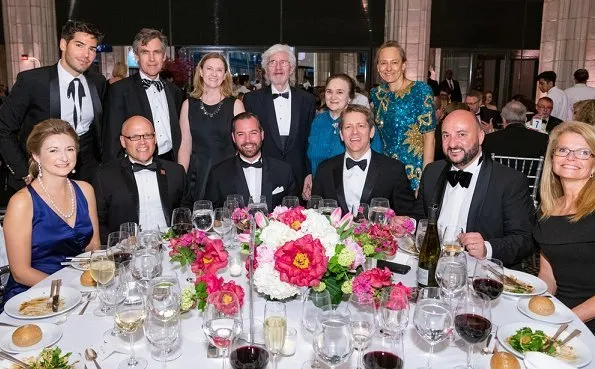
point(402, 118)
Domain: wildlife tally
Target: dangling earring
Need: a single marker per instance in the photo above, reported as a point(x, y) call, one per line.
point(591, 176)
point(73, 171)
point(39, 169)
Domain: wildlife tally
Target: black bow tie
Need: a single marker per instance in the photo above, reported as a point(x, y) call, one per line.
point(70, 93)
point(350, 163)
point(282, 94)
point(459, 176)
point(148, 82)
point(256, 164)
point(137, 167)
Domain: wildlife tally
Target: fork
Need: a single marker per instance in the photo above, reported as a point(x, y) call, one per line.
point(90, 297)
point(17, 362)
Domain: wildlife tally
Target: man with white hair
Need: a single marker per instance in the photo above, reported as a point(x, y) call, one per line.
point(285, 112)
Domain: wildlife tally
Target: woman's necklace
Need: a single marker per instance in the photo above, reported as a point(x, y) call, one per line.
point(210, 115)
point(65, 216)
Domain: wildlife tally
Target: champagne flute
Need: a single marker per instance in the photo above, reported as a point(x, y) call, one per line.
point(433, 321)
point(258, 204)
point(222, 222)
point(379, 207)
point(222, 321)
point(202, 215)
point(473, 321)
point(129, 317)
point(333, 340)
point(290, 201)
point(181, 221)
point(313, 302)
point(360, 212)
point(162, 334)
point(420, 233)
point(450, 239)
point(313, 202)
point(384, 352)
point(327, 206)
point(363, 323)
point(393, 311)
point(488, 278)
point(236, 197)
point(275, 328)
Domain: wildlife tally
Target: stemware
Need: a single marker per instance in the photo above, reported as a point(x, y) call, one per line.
point(129, 318)
point(393, 311)
point(202, 215)
point(290, 201)
point(313, 303)
point(420, 233)
point(313, 202)
point(117, 243)
point(363, 323)
point(360, 212)
point(379, 207)
point(132, 229)
point(450, 239)
point(333, 341)
point(150, 239)
point(275, 328)
point(144, 266)
point(222, 321)
point(384, 352)
point(222, 223)
point(433, 321)
point(258, 204)
point(162, 334)
point(181, 221)
point(473, 321)
point(488, 278)
point(109, 287)
point(245, 356)
point(238, 198)
point(451, 275)
point(428, 293)
point(164, 297)
point(327, 206)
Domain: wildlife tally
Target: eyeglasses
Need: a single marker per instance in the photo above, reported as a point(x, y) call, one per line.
point(146, 136)
point(274, 63)
point(582, 154)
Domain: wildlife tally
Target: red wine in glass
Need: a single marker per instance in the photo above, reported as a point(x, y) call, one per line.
point(182, 228)
point(249, 357)
point(382, 360)
point(489, 287)
point(473, 328)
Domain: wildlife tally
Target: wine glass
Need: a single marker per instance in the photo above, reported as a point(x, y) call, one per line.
point(327, 206)
point(451, 275)
point(150, 239)
point(379, 207)
point(245, 356)
point(222, 321)
point(222, 222)
point(384, 352)
point(473, 321)
point(488, 278)
point(420, 233)
point(363, 322)
point(202, 215)
point(132, 229)
point(181, 221)
point(393, 311)
point(360, 212)
point(258, 204)
point(117, 243)
point(450, 239)
point(275, 328)
point(333, 341)
point(144, 266)
point(428, 293)
point(313, 302)
point(313, 202)
point(433, 321)
point(290, 201)
point(238, 198)
point(162, 334)
point(164, 297)
point(109, 289)
point(129, 317)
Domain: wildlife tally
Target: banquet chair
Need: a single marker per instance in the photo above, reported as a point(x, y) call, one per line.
point(4, 267)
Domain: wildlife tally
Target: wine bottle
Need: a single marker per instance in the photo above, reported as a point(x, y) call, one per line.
point(430, 252)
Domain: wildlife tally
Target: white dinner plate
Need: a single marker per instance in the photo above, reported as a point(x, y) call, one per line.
point(539, 286)
point(82, 265)
point(74, 359)
point(538, 360)
point(562, 314)
point(407, 245)
point(483, 361)
point(583, 353)
point(51, 334)
point(70, 295)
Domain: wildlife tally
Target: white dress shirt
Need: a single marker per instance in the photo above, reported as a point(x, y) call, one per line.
point(160, 111)
point(282, 111)
point(85, 112)
point(150, 211)
point(457, 202)
point(253, 177)
point(579, 92)
point(354, 180)
point(561, 109)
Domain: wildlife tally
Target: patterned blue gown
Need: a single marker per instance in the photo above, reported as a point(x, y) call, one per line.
point(402, 118)
point(52, 239)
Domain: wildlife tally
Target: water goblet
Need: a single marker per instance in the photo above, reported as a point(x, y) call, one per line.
point(333, 340)
point(238, 198)
point(393, 311)
point(312, 303)
point(162, 334)
point(433, 321)
point(258, 204)
point(222, 321)
point(290, 201)
point(327, 206)
point(378, 210)
point(313, 202)
point(202, 215)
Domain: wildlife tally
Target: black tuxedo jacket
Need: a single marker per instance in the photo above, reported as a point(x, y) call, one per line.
point(127, 98)
point(35, 97)
point(486, 114)
point(386, 178)
point(228, 178)
point(552, 122)
point(303, 108)
point(516, 140)
point(501, 209)
point(117, 194)
point(455, 93)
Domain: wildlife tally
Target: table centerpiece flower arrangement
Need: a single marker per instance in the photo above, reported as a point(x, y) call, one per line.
point(206, 284)
point(370, 284)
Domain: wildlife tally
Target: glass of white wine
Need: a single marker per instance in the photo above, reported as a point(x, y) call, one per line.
point(129, 318)
point(103, 269)
point(450, 240)
point(275, 328)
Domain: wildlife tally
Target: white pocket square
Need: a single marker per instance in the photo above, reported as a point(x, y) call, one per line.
point(278, 190)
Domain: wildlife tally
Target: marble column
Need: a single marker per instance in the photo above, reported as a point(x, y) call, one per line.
point(568, 39)
point(29, 28)
point(408, 22)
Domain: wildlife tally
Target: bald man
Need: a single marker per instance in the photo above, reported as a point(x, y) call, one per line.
point(490, 201)
point(138, 188)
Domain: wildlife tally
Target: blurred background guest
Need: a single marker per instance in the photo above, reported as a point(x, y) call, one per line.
point(404, 112)
point(580, 91)
point(584, 111)
point(118, 72)
point(488, 98)
point(205, 121)
point(565, 227)
point(53, 217)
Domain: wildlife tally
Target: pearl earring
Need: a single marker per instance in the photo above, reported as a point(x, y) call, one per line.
point(73, 171)
point(39, 169)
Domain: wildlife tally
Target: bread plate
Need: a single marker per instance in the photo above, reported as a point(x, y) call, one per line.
point(51, 333)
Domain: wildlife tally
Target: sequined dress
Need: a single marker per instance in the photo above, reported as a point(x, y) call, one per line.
point(402, 118)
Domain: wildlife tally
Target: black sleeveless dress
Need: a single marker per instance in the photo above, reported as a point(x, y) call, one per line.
point(211, 141)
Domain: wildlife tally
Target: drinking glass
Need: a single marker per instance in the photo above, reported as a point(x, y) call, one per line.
point(450, 239)
point(363, 323)
point(488, 278)
point(129, 317)
point(290, 201)
point(181, 221)
point(109, 289)
point(393, 311)
point(379, 207)
point(360, 212)
point(202, 215)
point(314, 202)
point(428, 293)
point(384, 352)
point(222, 321)
point(275, 328)
point(150, 239)
point(117, 243)
point(164, 297)
point(144, 266)
point(132, 229)
point(245, 356)
point(420, 233)
point(238, 198)
point(162, 334)
point(473, 321)
point(333, 340)
point(222, 223)
point(258, 204)
point(433, 321)
point(313, 303)
point(327, 206)
point(451, 275)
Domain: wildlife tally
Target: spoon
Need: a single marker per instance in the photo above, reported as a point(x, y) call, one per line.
point(90, 354)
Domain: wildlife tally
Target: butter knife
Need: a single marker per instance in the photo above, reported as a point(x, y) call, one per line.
point(56, 296)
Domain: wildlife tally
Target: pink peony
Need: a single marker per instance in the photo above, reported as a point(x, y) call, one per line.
point(210, 258)
point(225, 301)
point(212, 282)
point(293, 218)
point(301, 262)
point(379, 277)
point(231, 286)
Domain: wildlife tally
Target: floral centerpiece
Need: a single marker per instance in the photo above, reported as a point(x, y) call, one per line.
point(203, 254)
point(241, 218)
point(206, 285)
point(369, 285)
point(380, 241)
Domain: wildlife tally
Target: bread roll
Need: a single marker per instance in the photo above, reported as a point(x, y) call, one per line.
point(87, 280)
point(541, 305)
point(504, 360)
point(26, 335)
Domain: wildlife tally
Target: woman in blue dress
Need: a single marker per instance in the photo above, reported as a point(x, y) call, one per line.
point(53, 217)
point(324, 141)
point(404, 112)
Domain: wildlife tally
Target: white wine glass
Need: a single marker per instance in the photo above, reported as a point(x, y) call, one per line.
point(103, 272)
point(313, 303)
point(363, 323)
point(275, 328)
point(433, 321)
point(129, 318)
point(222, 321)
point(202, 215)
point(450, 240)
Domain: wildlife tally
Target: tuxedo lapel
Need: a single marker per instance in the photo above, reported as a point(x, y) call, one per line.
point(438, 194)
point(130, 181)
point(272, 121)
point(373, 172)
point(480, 193)
point(266, 188)
point(240, 181)
point(163, 191)
point(295, 118)
point(142, 96)
point(96, 101)
point(173, 115)
point(55, 107)
point(338, 183)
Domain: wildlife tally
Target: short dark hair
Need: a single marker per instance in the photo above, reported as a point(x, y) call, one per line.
point(243, 116)
point(475, 93)
point(350, 82)
point(353, 108)
point(548, 75)
point(581, 75)
point(73, 26)
point(546, 98)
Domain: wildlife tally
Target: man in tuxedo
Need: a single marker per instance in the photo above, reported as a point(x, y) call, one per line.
point(453, 86)
point(362, 174)
point(250, 172)
point(515, 139)
point(490, 201)
point(67, 90)
point(544, 111)
point(488, 118)
point(145, 94)
point(285, 112)
point(138, 188)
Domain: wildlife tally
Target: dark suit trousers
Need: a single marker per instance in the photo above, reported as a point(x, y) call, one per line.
point(86, 163)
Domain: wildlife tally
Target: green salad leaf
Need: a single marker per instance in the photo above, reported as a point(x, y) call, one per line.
point(52, 358)
point(525, 339)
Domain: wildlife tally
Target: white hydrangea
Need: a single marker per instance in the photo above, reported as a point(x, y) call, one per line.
point(267, 281)
point(319, 227)
point(276, 234)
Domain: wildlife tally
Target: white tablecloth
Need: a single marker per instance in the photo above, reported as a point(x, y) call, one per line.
point(87, 330)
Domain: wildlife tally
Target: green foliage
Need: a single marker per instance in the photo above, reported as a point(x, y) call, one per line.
point(184, 256)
